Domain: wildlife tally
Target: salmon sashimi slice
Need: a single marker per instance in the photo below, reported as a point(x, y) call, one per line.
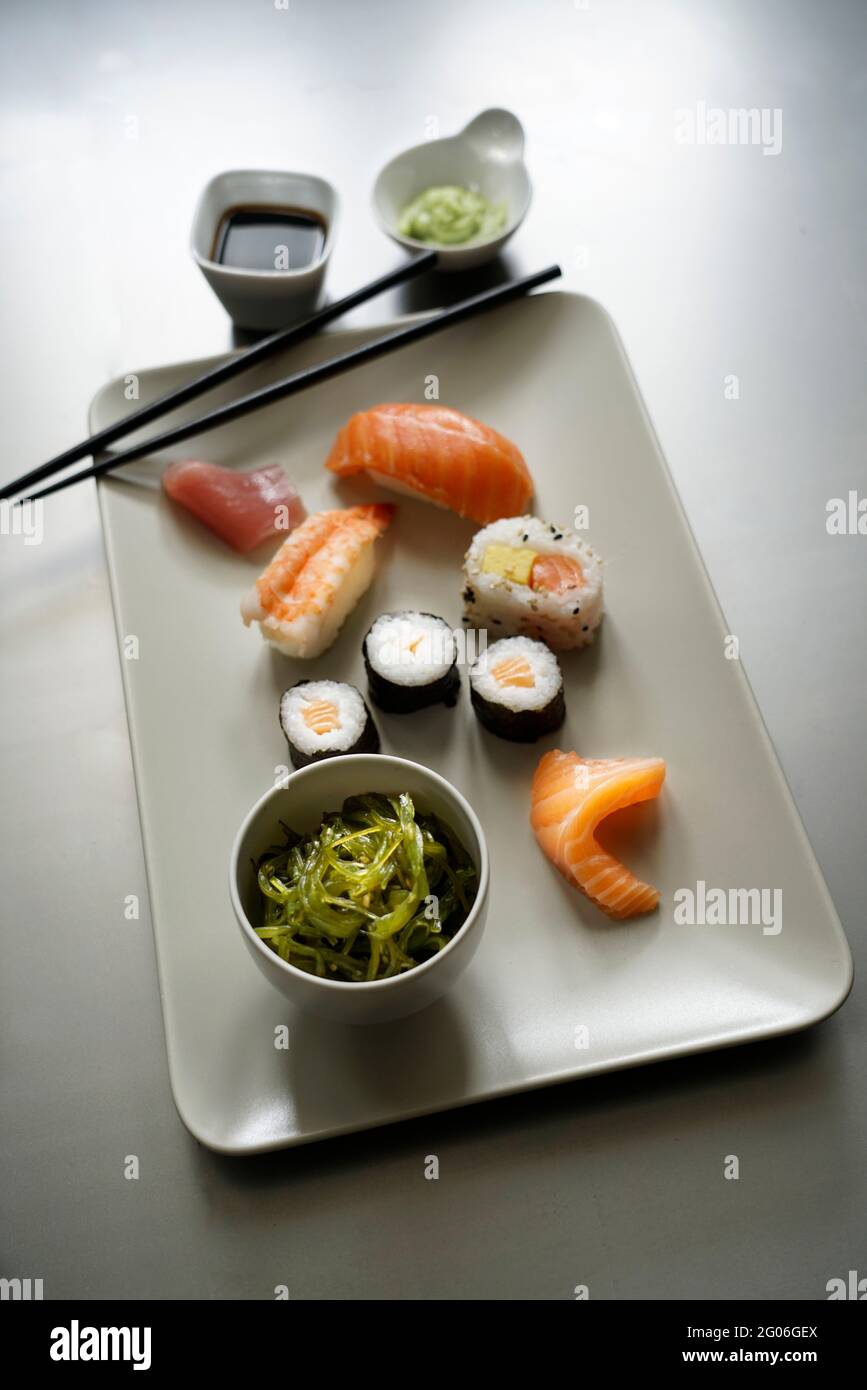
point(569, 798)
point(316, 579)
point(437, 453)
point(243, 509)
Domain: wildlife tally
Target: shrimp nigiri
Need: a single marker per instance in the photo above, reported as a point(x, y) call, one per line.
point(436, 453)
point(569, 797)
point(316, 578)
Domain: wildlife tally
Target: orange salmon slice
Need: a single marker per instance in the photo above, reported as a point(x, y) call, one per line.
point(556, 573)
point(321, 716)
point(438, 453)
point(514, 670)
point(570, 796)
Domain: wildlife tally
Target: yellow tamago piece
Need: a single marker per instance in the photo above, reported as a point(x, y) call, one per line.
point(512, 562)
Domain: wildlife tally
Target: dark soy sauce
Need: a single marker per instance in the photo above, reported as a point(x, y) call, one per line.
point(252, 238)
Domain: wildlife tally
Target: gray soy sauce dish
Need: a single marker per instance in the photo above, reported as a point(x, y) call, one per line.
point(282, 225)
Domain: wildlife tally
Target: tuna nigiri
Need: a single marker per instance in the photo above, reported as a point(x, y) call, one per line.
point(242, 508)
point(569, 797)
point(437, 453)
point(316, 578)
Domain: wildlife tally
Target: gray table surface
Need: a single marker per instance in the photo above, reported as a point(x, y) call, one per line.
point(715, 261)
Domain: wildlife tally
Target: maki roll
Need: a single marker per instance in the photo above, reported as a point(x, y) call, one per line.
point(525, 576)
point(411, 662)
point(516, 687)
point(322, 719)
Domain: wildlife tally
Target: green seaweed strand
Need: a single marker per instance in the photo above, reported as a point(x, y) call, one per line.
point(353, 902)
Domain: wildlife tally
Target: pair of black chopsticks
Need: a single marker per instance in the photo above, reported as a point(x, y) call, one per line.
point(289, 386)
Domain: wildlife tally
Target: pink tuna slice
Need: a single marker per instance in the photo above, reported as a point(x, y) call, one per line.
point(243, 508)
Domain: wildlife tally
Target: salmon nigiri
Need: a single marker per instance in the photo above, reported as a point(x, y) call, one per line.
point(570, 796)
point(437, 453)
point(316, 579)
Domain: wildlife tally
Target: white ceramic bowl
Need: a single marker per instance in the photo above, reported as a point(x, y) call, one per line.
point(300, 803)
point(486, 155)
point(263, 298)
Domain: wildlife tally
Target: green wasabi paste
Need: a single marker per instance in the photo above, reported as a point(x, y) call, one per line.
point(450, 216)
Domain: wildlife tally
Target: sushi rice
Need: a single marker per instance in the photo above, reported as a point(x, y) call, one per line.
point(501, 590)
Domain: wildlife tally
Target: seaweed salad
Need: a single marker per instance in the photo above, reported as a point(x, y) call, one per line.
point(376, 891)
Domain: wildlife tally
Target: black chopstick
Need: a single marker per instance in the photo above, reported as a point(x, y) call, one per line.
point(311, 376)
point(240, 362)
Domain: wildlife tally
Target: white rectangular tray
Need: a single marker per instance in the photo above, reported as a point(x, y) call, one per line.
point(556, 991)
